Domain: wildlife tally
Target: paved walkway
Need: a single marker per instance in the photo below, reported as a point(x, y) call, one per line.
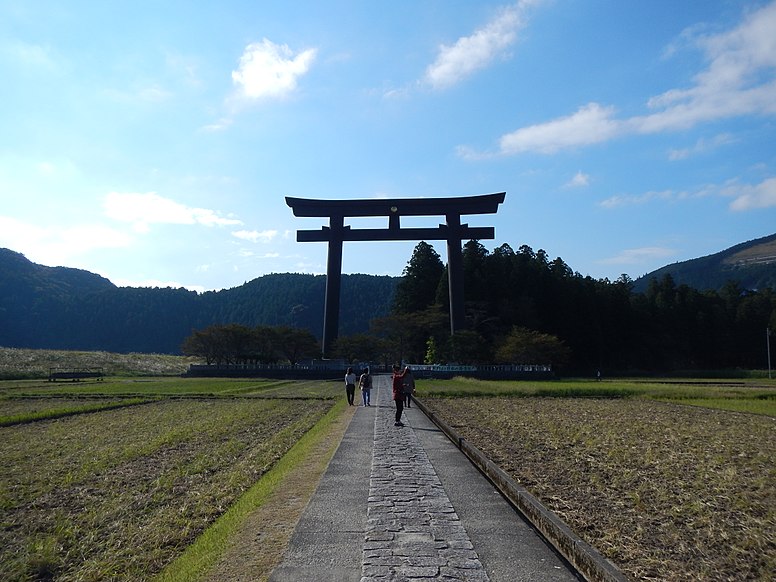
point(403, 503)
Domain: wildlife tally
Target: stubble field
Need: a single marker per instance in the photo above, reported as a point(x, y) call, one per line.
point(666, 491)
point(115, 479)
point(119, 493)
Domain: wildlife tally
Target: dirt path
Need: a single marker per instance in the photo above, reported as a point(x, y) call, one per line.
point(260, 543)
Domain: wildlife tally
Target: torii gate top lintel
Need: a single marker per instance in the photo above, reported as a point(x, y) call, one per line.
point(483, 204)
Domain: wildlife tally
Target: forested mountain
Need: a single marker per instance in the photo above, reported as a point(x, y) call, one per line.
point(521, 307)
point(63, 308)
point(751, 264)
point(511, 296)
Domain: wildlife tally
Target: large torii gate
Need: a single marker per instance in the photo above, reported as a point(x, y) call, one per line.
point(453, 231)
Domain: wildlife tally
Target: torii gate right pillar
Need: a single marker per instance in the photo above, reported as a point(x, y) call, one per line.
point(455, 273)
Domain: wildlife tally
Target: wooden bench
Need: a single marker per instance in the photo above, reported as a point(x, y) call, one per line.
point(74, 374)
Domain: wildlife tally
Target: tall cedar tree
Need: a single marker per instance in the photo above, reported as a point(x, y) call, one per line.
point(417, 289)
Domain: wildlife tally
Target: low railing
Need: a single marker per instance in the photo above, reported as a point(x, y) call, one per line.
point(330, 370)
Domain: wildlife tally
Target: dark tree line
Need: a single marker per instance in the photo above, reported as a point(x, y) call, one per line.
point(240, 344)
point(522, 307)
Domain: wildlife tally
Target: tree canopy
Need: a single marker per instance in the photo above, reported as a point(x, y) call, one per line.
point(418, 286)
point(523, 305)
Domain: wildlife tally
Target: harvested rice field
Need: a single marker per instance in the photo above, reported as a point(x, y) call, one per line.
point(665, 491)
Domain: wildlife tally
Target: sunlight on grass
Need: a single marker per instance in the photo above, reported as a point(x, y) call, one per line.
point(758, 397)
point(150, 477)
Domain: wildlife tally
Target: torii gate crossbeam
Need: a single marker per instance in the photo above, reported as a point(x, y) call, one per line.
point(453, 231)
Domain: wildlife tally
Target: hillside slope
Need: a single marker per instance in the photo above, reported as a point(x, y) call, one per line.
point(64, 308)
point(751, 264)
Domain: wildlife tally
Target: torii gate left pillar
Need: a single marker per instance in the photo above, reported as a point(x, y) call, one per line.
point(454, 232)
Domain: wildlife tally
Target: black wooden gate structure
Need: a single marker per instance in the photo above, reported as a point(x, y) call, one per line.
point(453, 231)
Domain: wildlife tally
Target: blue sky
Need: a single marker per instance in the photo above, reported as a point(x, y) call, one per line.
point(154, 142)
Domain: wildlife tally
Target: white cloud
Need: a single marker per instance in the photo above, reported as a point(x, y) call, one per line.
point(139, 94)
point(471, 53)
point(56, 245)
point(30, 56)
point(745, 196)
point(579, 180)
point(256, 235)
point(144, 209)
point(219, 125)
point(701, 146)
point(639, 256)
point(737, 81)
point(591, 124)
point(469, 153)
point(271, 70)
point(633, 199)
point(751, 197)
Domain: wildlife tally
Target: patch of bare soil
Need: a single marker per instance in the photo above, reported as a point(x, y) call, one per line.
point(666, 492)
point(260, 543)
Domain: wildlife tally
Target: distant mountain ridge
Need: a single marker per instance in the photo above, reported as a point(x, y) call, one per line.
point(66, 308)
point(751, 264)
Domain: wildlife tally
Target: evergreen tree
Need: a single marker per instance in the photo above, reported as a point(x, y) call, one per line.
point(420, 279)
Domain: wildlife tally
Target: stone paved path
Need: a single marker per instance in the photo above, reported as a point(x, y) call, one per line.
point(413, 532)
point(404, 504)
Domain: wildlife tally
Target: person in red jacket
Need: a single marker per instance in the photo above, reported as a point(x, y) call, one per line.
point(398, 392)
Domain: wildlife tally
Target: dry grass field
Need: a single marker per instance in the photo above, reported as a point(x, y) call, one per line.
point(117, 494)
point(665, 491)
point(115, 479)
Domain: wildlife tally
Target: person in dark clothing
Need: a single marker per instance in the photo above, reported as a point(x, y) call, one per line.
point(409, 386)
point(398, 393)
point(350, 385)
point(365, 382)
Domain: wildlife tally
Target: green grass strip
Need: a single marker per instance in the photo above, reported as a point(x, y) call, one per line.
point(766, 407)
point(69, 411)
point(206, 550)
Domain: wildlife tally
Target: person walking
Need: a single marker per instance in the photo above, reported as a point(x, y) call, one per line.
point(365, 383)
point(398, 393)
point(408, 386)
point(350, 385)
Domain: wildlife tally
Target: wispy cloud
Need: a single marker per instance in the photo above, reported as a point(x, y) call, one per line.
point(590, 124)
point(701, 146)
point(752, 197)
point(151, 93)
point(737, 81)
point(256, 235)
point(635, 199)
point(144, 209)
point(270, 70)
point(219, 125)
point(745, 196)
point(580, 180)
point(31, 56)
point(471, 53)
point(639, 256)
point(57, 244)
